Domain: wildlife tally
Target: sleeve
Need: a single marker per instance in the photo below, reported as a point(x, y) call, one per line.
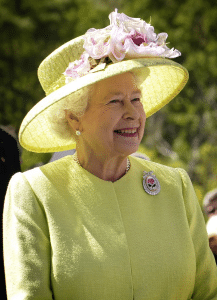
point(206, 270)
point(26, 243)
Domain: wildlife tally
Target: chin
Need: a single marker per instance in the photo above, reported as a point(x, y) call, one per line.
point(126, 151)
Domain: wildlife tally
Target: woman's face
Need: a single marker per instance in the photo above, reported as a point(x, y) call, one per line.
point(115, 119)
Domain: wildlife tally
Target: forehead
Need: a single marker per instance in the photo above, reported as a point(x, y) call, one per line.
point(119, 84)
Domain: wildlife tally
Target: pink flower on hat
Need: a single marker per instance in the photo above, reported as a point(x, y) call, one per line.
point(124, 38)
point(97, 42)
point(78, 68)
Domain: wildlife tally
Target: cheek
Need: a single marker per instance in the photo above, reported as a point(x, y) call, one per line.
point(142, 111)
point(142, 122)
point(108, 122)
point(100, 128)
point(143, 115)
point(101, 124)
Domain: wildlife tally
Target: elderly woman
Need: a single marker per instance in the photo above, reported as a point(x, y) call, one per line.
point(102, 224)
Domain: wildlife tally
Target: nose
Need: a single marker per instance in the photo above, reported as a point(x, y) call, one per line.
point(131, 112)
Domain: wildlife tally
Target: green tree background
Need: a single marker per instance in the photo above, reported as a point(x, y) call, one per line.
point(183, 134)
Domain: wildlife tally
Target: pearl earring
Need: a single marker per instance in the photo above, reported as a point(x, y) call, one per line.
point(78, 132)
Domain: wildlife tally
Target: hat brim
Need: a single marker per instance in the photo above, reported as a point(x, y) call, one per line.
point(161, 80)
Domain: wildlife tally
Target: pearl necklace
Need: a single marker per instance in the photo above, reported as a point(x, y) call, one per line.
point(75, 157)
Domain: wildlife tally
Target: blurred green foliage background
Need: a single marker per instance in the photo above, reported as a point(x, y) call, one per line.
point(183, 134)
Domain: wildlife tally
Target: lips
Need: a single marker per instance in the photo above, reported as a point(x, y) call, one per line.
point(127, 132)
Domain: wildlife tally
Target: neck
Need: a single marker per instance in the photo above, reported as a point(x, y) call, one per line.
point(106, 168)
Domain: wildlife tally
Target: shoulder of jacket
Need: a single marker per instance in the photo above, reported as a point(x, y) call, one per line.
point(37, 171)
point(163, 172)
point(157, 166)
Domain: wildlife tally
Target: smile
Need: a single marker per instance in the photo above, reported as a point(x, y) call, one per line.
point(129, 132)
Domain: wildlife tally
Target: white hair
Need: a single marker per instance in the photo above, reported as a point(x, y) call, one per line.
point(75, 103)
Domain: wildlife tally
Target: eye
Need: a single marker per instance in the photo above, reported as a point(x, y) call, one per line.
point(114, 101)
point(136, 100)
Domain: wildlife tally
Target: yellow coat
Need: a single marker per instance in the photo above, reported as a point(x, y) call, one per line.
point(69, 235)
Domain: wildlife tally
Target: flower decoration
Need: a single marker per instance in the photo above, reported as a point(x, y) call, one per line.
point(151, 181)
point(124, 38)
point(78, 68)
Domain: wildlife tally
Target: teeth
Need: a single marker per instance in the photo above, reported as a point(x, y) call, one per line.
point(127, 131)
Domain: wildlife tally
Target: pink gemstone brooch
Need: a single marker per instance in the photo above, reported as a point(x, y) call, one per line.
point(150, 183)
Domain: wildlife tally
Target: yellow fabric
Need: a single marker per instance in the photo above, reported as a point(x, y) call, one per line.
point(161, 80)
point(70, 235)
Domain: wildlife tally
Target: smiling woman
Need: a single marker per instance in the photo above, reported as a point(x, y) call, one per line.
point(102, 224)
point(113, 125)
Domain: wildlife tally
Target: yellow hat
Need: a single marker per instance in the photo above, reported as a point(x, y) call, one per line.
point(126, 45)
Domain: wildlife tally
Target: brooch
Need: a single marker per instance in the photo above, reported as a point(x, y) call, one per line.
point(150, 183)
